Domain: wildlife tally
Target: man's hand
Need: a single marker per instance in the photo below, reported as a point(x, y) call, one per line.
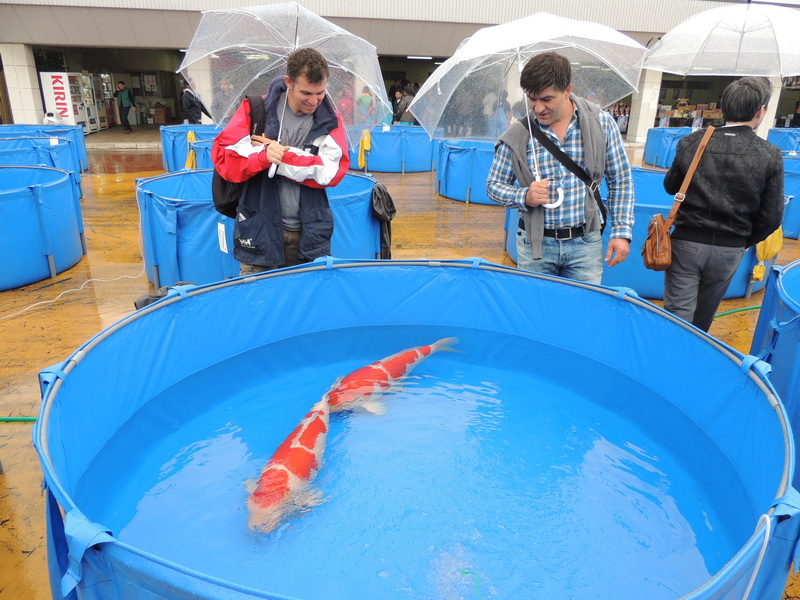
point(537, 193)
point(274, 150)
point(618, 250)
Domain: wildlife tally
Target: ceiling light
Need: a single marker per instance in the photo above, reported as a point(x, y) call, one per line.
point(419, 57)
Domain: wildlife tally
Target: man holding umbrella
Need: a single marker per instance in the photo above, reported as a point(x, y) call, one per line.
point(283, 217)
point(561, 217)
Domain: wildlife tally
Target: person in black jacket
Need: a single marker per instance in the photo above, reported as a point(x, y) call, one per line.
point(193, 109)
point(734, 201)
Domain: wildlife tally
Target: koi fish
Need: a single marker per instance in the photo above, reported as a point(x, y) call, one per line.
point(362, 387)
point(283, 486)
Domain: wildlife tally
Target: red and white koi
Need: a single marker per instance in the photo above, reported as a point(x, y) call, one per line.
point(364, 386)
point(283, 486)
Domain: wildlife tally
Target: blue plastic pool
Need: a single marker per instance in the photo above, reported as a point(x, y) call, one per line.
point(462, 169)
point(41, 229)
point(494, 472)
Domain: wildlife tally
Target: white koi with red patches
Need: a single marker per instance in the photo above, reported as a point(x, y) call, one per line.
point(283, 486)
point(364, 386)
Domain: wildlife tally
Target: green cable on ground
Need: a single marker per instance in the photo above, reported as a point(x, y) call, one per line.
point(477, 581)
point(737, 310)
point(18, 419)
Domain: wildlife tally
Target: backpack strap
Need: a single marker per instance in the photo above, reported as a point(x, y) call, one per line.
point(258, 117)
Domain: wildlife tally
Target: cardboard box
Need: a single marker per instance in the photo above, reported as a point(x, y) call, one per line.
point(161, 116)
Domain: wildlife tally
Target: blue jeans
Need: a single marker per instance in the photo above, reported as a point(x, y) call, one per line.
point(580, 258)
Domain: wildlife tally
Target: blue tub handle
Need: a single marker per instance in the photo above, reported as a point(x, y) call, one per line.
point(81, 534)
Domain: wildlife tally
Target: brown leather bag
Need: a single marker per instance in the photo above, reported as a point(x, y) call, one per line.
point(657, 248)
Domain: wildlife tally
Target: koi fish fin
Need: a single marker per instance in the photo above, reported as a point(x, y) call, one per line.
point(374, 407)
point(444, 344)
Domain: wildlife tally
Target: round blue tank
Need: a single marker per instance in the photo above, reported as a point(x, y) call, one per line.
point(185, 239)
point(393, 149)
point(57, 153)
point(41, 228)
point(74, 133)
point(676, 487)
point(791, 188)
point(462, 169)
point(175, 143)
point(661, 143)
point(777, 338)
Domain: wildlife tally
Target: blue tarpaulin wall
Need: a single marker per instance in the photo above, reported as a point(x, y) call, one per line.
point(791, 188)
point(777, 338)
point(182, 232)
point(660, 145)
point(650, 199)
point(738, 412)
point(787, 139)
point(463, 168)
point(41, 228)
point(57, 153)
point(175, 143)
point(74, 133)
point(395, 149)
point(202, 154)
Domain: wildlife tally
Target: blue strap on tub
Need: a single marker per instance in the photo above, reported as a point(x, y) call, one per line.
point(760, 367)
point(81, 535)
point(48, 376)
point(787, 528)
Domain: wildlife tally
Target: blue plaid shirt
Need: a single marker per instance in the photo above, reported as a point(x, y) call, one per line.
point(503, 188)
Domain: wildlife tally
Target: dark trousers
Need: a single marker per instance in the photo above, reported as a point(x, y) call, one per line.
point(123, 116)
point(697, 279)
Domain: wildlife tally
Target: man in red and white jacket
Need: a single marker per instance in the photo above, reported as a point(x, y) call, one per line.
point(285, 219)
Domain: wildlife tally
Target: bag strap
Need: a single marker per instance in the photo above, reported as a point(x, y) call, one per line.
point(258, 116)
point(570, 164)
point(681, 195)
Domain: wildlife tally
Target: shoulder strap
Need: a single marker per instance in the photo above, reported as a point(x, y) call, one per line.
point(565, 160)
point(679, 197)
point(258, 117)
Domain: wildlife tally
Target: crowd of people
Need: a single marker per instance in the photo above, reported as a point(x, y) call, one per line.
point(734, 201)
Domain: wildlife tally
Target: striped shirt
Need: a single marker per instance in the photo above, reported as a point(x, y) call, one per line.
point(503, 188)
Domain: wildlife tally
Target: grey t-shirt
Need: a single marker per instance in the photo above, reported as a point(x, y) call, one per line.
point(294, 131)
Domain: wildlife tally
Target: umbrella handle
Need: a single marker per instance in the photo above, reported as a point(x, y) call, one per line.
point(558, 202)
point(272, 169)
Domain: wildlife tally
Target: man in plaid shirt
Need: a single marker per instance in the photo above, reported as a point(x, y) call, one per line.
point(565, 240)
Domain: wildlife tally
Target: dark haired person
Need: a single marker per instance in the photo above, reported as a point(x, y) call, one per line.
point(565, 240)
point(193, 107)
point(286, 219)
point(734, 201)
point(125, 104)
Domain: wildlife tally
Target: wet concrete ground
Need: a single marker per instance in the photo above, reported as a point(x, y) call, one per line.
point(43, 323)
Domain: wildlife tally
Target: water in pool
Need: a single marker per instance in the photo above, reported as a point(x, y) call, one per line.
point(510, 469)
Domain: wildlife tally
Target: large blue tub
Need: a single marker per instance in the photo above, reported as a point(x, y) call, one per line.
point(650, 199)
point(394, 149)
point(787, 139)
point(462, 169)
point(57, 153)
point(186, 239)
point(777, 338)
point(175, 143)
point(41, 228)
point(692, 501)
point(791, 188)
point(74, 133)
point(661, 143)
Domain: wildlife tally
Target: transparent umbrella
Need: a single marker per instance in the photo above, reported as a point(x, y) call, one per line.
point(244, 49)
point(738, 40)
point(476, 92)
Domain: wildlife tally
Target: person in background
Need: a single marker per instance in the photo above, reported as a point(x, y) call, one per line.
point(126, 104)
point(193, 108)
point(286, 219)
point(734, 201)
point(565, 240)
point(366, 105)
point(223, 97)
point(796, 116)
point(396, 87)
point(401, 114)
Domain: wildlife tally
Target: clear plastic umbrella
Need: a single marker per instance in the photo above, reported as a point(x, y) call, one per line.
point(739, 40)
point(244, 49)
point(476, 92)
